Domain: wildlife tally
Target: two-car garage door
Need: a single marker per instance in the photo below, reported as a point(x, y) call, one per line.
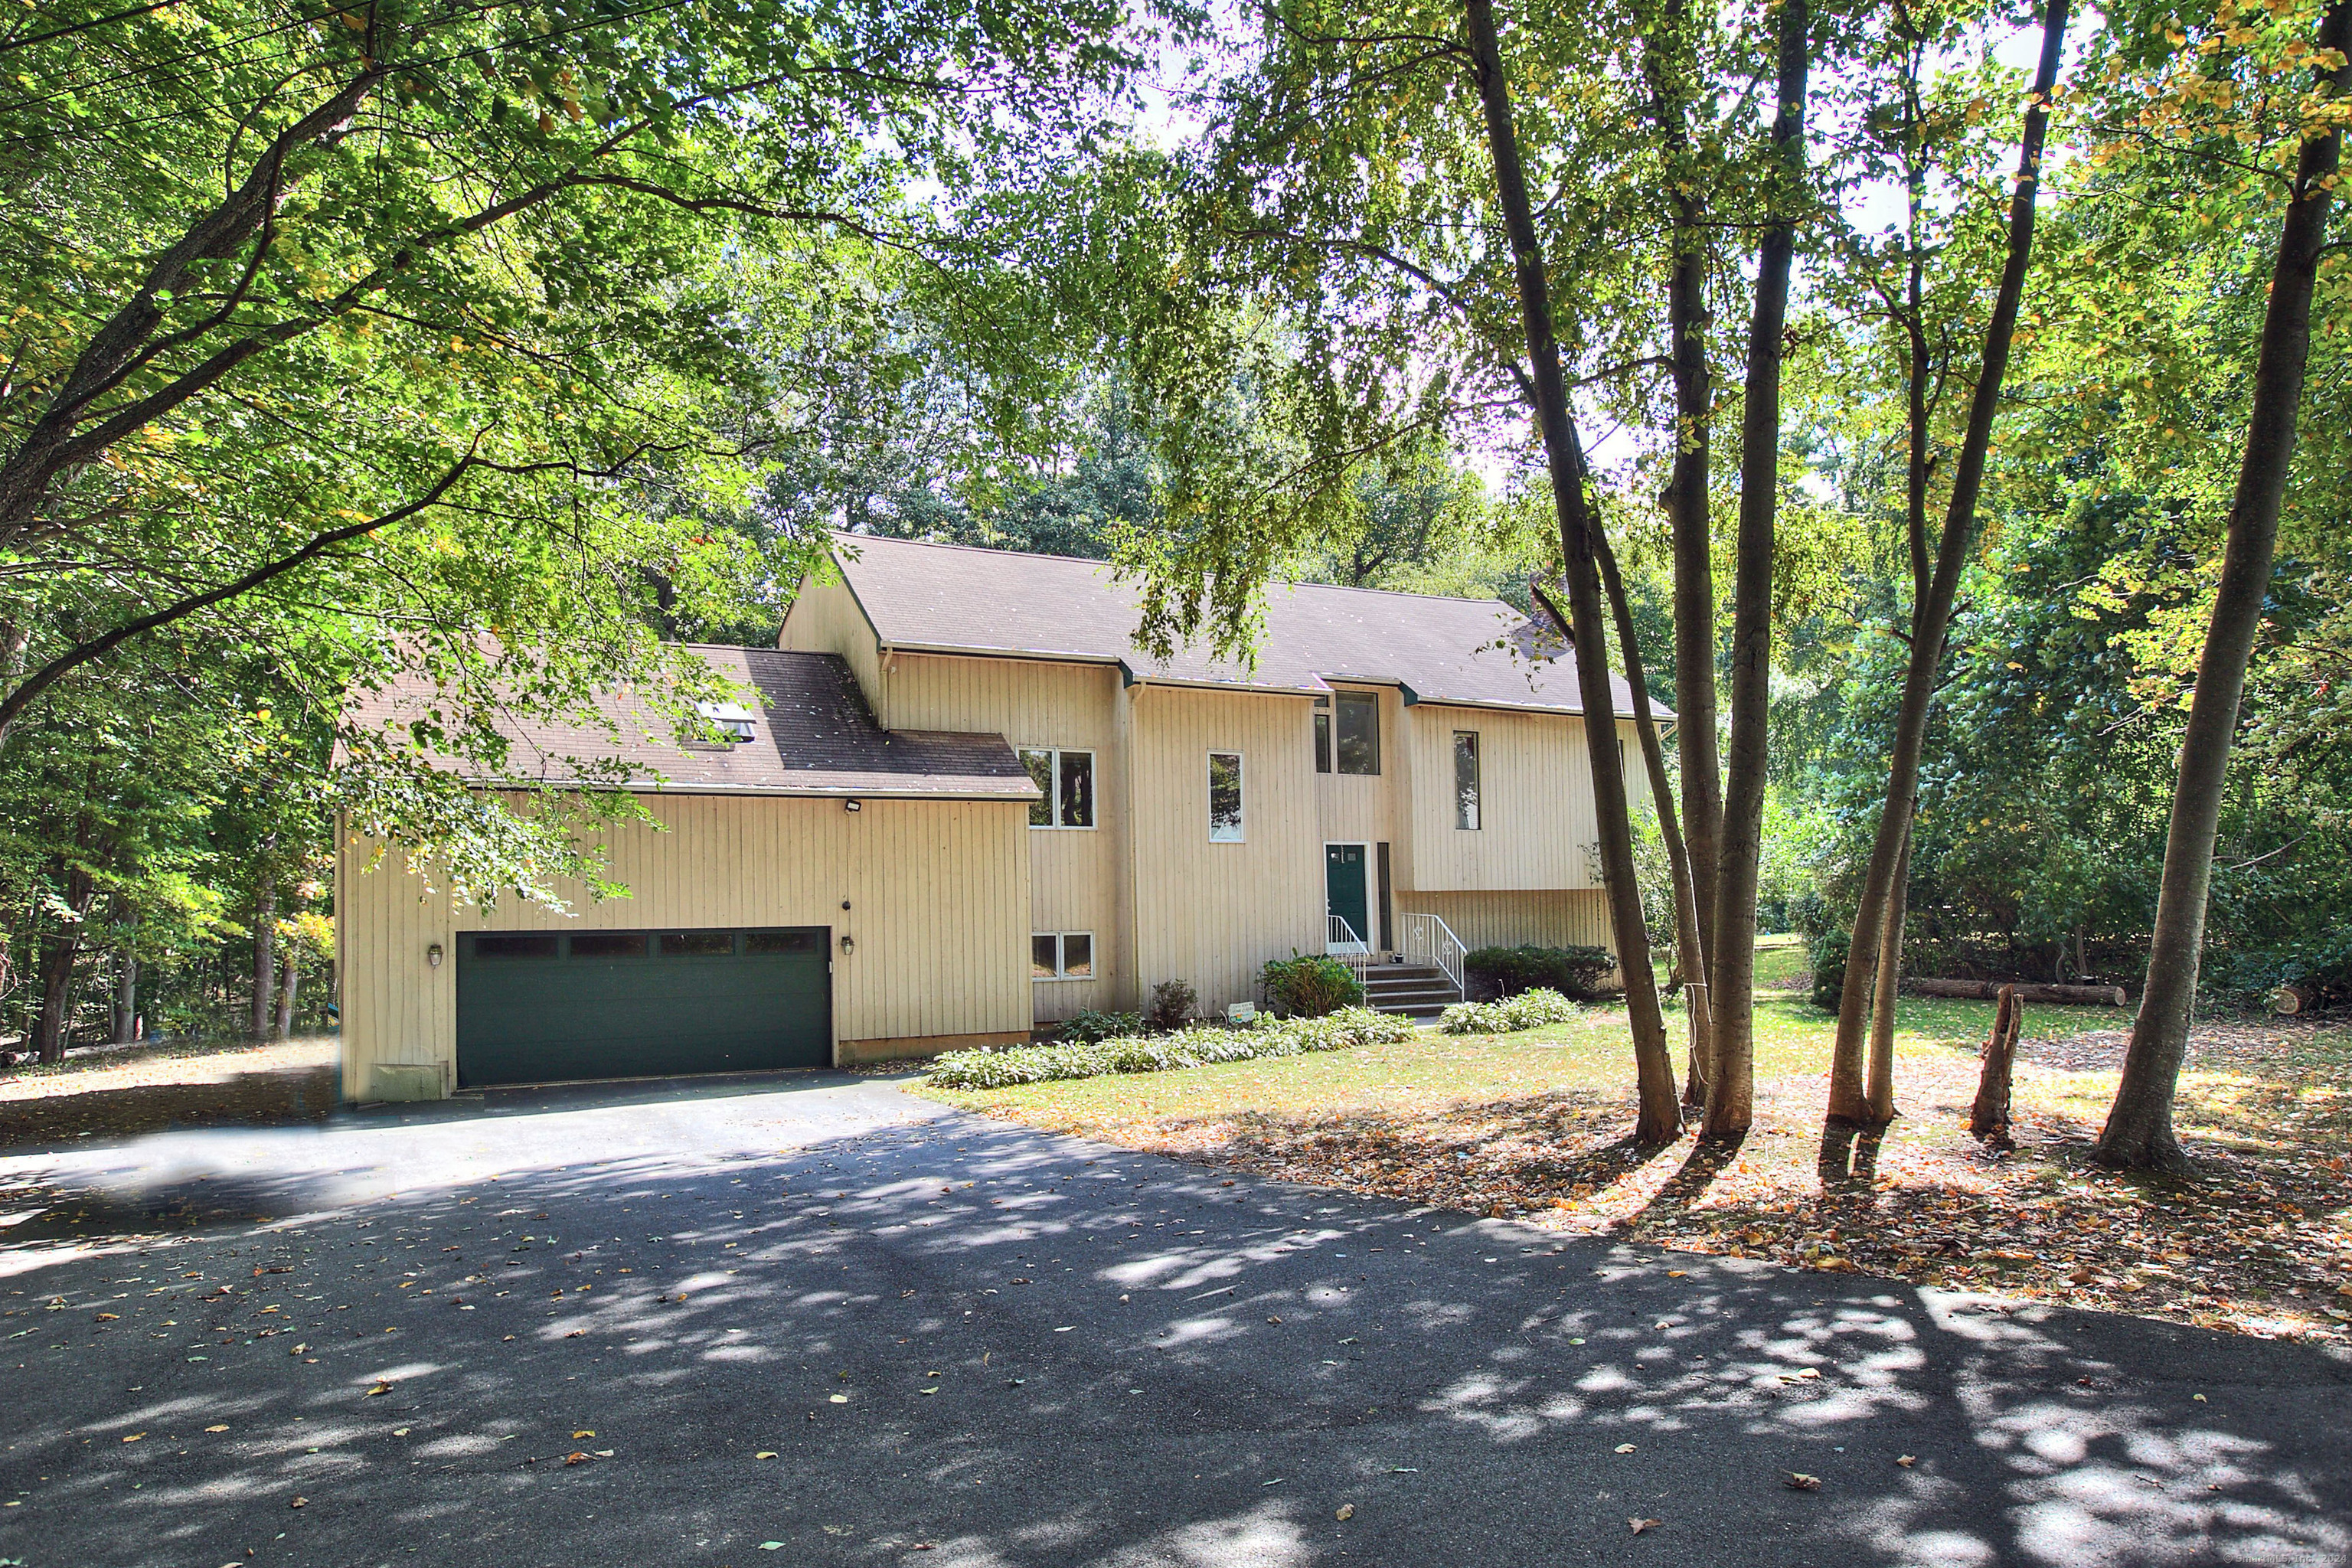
point(539, 1006)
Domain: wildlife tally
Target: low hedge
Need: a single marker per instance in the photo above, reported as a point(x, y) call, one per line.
point(1163, 1053)
point(1575, 972)
point(1527, 1010)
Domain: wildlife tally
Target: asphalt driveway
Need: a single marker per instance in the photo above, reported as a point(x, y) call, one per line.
point(813, 1317)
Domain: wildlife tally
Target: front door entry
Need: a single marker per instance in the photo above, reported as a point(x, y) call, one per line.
point(1344, 892)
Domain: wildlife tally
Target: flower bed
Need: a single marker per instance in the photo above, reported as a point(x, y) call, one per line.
point(1163, 1053)
point(1527, 1010)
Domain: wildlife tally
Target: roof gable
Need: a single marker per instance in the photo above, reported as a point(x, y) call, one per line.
point(948, 598)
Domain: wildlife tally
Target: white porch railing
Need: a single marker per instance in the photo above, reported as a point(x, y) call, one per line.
point(1429, 940)
point(1341, 943)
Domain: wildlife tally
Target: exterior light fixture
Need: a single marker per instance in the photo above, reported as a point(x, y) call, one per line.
point(432, 955)
point(853, 805)
point(848, 944)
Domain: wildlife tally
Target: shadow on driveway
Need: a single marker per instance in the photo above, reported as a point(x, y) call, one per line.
point(616, 1328)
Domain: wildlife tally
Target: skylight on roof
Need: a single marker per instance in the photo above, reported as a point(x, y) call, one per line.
point(731, 719)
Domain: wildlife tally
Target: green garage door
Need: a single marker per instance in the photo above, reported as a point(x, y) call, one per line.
point(538, 1006)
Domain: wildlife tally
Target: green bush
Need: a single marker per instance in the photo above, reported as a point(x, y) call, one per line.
point(1576, 971)
point(1090, 1028)
point(1309, 985)
point(1527, 1010)
point(1173, 1002)
point(1163, 1053)
point(1829, 968)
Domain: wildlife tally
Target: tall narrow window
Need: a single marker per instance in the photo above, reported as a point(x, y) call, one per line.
point(1465, 778)
point(1065, 786)
point(1224, 797)
point(1322, 735)
point(1357, 731)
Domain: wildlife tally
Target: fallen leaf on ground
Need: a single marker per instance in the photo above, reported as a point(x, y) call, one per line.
point(1641, 1525)
point(379, 1388)
point(299, 1502)
point(1624, 1448)
point(221, 1427)
point(1346, 1510)
point(1798, 1482)
point(1906, 1460)
point(577, 1435)
point(577, 1458)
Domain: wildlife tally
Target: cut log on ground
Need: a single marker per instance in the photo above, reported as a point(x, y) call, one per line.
point(1988, 1117)
point(2292, 1001)
point(1990, 990)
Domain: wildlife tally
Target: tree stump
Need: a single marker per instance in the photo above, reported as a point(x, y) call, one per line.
point(1988, 1117)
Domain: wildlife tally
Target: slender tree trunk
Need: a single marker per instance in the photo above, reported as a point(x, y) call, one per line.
point(1848, 1099)
point(1661, 1113)
point(1880, 1092)
point(1730, 1103)
point(1689, 957)
point(2139, 1134)
point(126, 999)
point(264, 959)
point(286, 997)
point(1666, 59)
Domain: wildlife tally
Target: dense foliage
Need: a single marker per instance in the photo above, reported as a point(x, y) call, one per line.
point(1499, 972)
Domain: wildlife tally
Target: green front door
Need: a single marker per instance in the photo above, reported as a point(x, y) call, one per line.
point(539, 1006)
point(1343, 888)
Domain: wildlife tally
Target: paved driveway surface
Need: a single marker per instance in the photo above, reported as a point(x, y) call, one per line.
point(960, 1342)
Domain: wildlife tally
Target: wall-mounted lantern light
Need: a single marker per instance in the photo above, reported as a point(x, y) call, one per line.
point(853, 805)
point(432, 955)
point(848, 944)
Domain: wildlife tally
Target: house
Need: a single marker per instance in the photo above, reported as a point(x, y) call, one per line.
point(956, 803)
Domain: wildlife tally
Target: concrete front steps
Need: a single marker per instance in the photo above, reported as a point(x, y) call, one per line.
point(1416, 990)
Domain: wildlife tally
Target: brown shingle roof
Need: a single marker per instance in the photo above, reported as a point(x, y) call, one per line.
point(811, 734)
point(947, 598)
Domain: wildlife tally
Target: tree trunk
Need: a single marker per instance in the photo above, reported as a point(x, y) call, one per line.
point(1666, 57)
point(1988, 1117)
point(286, 997)
point(1848, 1103)
point(52, 1023)
point(126, 999)
point(1661, 1113)
point(2139, 1135)
point(1690, 957)
point(265, 957)
point(1731, 990)
point(1880, 1097)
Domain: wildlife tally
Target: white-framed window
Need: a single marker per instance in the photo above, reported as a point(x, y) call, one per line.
point(1348, 736)
point(1224, 797)
point(1065, 783)
point(1061, 955)
point(1466, 779)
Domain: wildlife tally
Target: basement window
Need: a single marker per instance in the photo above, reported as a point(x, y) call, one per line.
point(1061, 955)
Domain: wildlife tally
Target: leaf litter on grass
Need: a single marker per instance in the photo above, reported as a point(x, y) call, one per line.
point(1534, 1128)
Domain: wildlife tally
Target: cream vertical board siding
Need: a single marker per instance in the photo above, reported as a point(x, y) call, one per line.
point(1535, 800)
point(1074, 872)
point(937, 892)
point(825, 618)
point(1561, 918)
point(1212, 914)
